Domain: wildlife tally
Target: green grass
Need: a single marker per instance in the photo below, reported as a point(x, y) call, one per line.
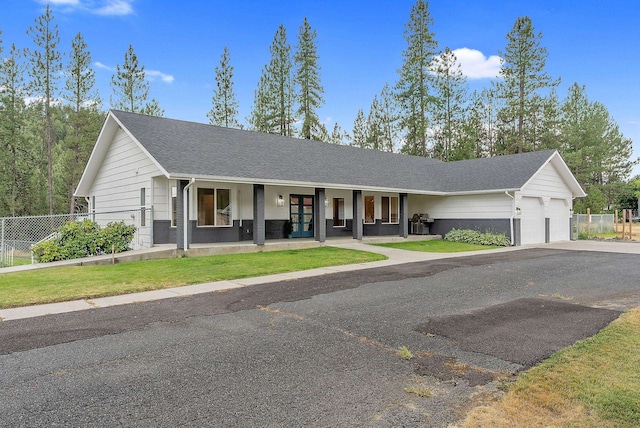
point(83, 282)
point(437, 246)
point(594, 383)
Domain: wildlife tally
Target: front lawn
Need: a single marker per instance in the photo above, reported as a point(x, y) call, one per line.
point(437, 246)
point(84, 282)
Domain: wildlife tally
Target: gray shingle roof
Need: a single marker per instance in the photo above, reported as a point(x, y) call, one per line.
point(194, 149)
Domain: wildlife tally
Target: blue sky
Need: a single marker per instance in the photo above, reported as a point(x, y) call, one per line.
point(360, 43)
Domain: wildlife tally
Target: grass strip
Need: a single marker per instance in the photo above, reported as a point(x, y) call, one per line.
point(436, 246)
point(85, 282)
point(594, 383)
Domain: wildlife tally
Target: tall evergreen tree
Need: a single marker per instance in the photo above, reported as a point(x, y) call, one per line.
point(309, 89)
point(280, 84)
point(84, 117)
point(45, 61)
point(359, 130)
point(450, 99)
point(523, 77)
point(224, 110)
point(17, 157)
point(260, 118)
point(131, 89)
point(595, 150)
point(374, 136)
point(413, 88)
point(388, 119)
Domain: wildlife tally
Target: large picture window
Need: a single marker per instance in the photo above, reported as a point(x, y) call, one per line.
point(214, 207)
point(338, 212)
point(369, 210)
point(389, 209)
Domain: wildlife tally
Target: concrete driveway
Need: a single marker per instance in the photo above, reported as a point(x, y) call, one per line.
point(319, 351)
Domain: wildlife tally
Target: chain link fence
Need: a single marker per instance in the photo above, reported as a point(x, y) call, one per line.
point(592, 224)
point(19, 234)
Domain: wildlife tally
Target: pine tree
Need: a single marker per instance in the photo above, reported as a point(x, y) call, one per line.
point(523, 76)
point(46, 64)
point(17, 159)
point(84, 111)
point(450, 98)
point(374, 135)
point(130, 89)
point(359, 130)
point(261, 119)
point(413, 90)
point(152, 108)
point(388, 119)
point(280, 84)
point(224, 110)
point(338, 136)
point(309, 89)
point(594, 148)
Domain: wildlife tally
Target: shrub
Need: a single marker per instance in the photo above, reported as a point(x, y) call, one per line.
point(84, 238)
point(117, 234)
point(474, 237)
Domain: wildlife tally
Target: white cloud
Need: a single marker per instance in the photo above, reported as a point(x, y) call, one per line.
point(115, 7)
point(475, 65)
point(155, 74)
point(96, 7)
point(98, 64)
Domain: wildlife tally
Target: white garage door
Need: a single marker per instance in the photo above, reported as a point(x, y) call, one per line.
point(531, 221)
point(558, 220)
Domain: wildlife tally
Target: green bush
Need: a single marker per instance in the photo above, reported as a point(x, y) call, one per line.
point(117, 234)
point(474, 237)
point(77, 239)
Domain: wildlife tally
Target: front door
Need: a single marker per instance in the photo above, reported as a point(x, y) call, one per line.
point(301, 210)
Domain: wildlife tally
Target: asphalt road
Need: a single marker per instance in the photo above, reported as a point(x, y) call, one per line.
point(319, 351)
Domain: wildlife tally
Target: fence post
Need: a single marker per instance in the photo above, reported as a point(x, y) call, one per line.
point(615, 219)
point(630, 215)
point(2, 243)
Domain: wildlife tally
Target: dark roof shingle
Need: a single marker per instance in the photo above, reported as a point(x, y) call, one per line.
point(195, 149)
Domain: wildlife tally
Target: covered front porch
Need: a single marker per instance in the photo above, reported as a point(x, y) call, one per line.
point(207, 212)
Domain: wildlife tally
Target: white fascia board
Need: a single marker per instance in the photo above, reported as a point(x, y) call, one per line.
point(556, 160)
point(97, 156)
point(243, 180)
point(482, 192)
point(143, 148)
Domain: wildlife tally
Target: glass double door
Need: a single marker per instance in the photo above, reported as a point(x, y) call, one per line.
point(301, 212)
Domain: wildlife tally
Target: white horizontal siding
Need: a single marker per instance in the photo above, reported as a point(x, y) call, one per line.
point(484, 206)
point(124, 171)
point(547, 182)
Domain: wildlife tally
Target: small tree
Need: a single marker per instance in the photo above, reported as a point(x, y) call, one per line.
point(224, 108)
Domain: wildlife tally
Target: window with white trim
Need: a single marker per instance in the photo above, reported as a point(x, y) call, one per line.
point(214, 207)
point(389, 209)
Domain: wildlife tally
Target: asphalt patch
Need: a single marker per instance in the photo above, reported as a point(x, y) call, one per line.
point(524, 331)
point(447, 368)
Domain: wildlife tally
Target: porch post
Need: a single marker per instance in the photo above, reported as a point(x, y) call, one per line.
point(320, 214)
point(180, 231)
point(404, 215)
point(357, 215)
point(258, 214)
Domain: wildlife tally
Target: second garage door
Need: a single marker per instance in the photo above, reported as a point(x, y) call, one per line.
point(531, 221)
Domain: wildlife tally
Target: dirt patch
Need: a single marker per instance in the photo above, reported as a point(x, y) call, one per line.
point(524, 331)
point(447, 368)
